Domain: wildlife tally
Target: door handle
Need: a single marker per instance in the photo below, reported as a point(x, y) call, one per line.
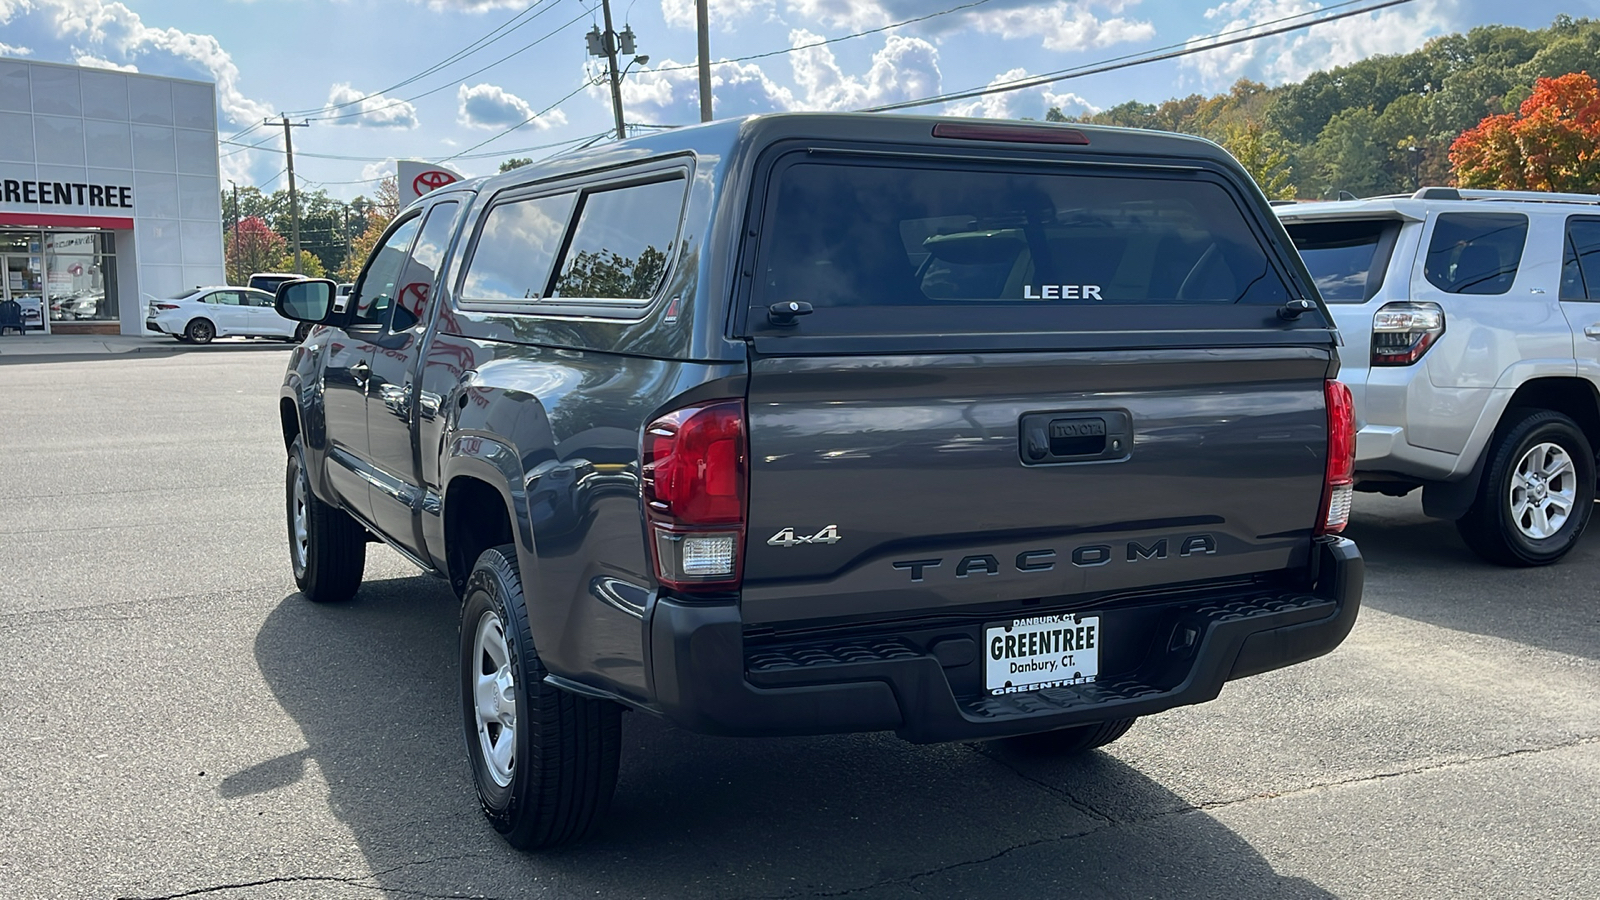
point(359, 373)
point(1592, 332)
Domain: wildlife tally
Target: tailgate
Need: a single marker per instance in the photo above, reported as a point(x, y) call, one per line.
point(892, 484)
point(1013, 381)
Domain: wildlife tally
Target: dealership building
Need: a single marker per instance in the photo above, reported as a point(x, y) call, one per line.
point(109, 194)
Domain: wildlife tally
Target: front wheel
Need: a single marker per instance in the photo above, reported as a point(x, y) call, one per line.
point(544, 760)
point(1537, 492)
point(300, 332)
point(327, 548)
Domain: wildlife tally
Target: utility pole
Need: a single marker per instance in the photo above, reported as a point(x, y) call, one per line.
point(704, 38)
point(234, 256)
point(294, 197)
point(616, 74)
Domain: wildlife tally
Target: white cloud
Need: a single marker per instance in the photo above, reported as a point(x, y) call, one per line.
point(906, 68)
point(95, 62)
point(723, 14)
point(13, 50)
point(1028, 103)
point(472, 6)
point(1063, 27)
point(1293, 56)
point(110, 33)
point(670, 94)
point(377, 170)
point(348, 106)
point(490, 106)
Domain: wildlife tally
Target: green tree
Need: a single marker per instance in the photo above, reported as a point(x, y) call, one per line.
point(517, 162)
point(1264, 156)
point(1348, 158)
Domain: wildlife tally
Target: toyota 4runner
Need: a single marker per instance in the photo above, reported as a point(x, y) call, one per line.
point(831, 423)
point(1473, 351)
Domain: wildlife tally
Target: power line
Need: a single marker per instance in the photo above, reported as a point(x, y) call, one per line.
point(529, 119)
point(832, 40)
point(461, 80)
point(243, 147)
point(1188, 48)
point(481, 43)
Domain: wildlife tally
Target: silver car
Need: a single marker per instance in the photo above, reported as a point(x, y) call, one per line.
point(1471, 324)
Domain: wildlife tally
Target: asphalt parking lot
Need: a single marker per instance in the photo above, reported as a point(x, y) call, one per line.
point(175, 721)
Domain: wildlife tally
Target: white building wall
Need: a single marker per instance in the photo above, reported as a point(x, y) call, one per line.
point(157, 135)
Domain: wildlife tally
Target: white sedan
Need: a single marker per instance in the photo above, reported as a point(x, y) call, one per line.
point(204, 313)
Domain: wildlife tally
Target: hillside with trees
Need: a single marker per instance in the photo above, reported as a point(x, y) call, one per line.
point(1387, 124)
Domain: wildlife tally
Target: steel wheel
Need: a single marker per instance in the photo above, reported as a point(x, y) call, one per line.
point(495, 698)
point(1543, 491)
point(299, 527)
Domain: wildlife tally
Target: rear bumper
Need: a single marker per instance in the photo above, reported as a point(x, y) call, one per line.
point(707, 680)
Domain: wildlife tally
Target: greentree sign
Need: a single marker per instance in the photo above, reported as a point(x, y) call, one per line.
point(66, 193)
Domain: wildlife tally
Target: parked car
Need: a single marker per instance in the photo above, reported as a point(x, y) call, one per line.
point(806, 424)
point(198, 315)
point(1472, 347)
point(269, 281)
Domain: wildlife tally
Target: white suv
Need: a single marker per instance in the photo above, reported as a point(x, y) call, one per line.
point(1471, 322)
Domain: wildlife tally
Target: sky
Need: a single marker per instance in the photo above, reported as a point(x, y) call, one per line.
point(473, 82)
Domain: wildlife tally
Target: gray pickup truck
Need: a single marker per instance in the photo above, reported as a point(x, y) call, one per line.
point(832, 423)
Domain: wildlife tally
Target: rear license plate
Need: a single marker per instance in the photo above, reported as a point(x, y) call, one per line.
point(1040, 652)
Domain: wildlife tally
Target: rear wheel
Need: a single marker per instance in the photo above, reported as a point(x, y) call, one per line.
point(200, 331)
point(544, 760)
point(1068, 741)
point(327, 548)
point(300, 332)
point(1537, 492)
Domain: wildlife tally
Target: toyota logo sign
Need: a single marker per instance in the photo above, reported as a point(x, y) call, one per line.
point(432, 179)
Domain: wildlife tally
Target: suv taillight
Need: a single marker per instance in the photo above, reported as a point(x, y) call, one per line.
point(1402, 332)
point(693, 476)
point(1338, 488)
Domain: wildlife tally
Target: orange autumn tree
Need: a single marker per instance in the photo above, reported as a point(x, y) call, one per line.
point(1551, 143)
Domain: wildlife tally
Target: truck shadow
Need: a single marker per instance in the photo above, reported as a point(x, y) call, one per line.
point(372, 686)
point(1419, 568)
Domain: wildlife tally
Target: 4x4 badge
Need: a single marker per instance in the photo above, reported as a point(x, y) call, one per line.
point(787, 537)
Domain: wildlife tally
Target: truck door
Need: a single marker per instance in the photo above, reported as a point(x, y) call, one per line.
point(391, 400)
point(347, 373)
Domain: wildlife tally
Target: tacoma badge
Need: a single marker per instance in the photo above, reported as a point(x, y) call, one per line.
point(787, 537)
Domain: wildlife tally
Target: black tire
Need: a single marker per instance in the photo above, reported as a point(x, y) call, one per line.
point(1069, 741)
point(556, 779)
point(1492, 526)
point(329, 558)
point(300, 332)
point(200, 331)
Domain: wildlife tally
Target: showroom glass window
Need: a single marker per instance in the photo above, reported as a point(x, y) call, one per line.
point(80, 275)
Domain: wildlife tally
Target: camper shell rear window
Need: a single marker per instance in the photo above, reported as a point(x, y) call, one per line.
point(968, 246)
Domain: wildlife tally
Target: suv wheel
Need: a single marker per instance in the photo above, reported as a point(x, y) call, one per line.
point(544, 760)
point(1068, 741)
point(1537, 492)
point(327, 548)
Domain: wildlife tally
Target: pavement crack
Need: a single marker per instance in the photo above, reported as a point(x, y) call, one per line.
point(365, 881)
point(1378, 776)
point(1067, 796)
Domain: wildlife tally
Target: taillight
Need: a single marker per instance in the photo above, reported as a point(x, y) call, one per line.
point(1338, 488)
point(165, 305)
point(693, 476)
point(1402, 332)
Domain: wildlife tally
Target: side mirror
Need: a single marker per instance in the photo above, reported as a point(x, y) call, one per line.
point(305, 301)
